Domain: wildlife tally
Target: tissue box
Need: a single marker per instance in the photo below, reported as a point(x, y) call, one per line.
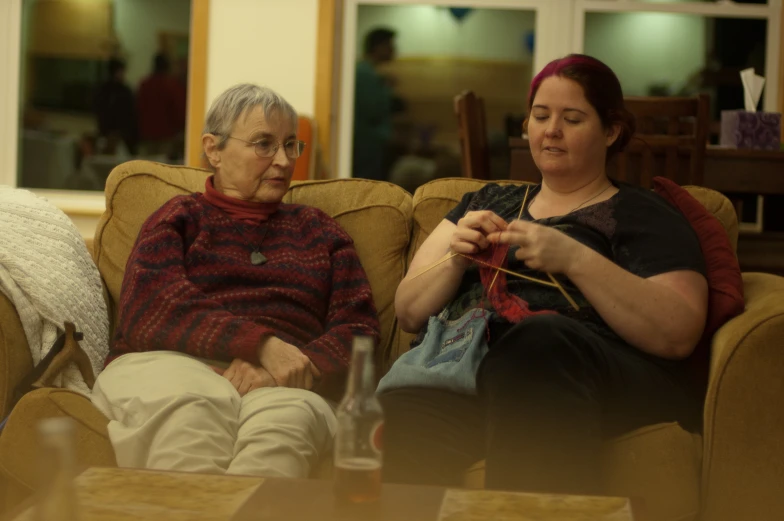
point(757, 130)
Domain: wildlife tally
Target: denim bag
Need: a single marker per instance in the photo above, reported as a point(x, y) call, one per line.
point(448, 357)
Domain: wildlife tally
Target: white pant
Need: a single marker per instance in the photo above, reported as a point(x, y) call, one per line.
point(170, 411)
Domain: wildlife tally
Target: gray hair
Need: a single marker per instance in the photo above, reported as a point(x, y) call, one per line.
point(236, 101)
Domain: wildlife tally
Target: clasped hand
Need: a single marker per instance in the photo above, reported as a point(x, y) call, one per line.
point(288, 366)
point(282, 365)
point(540, 247)
point(245, 377)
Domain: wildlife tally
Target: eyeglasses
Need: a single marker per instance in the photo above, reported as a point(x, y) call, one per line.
point(266, 148)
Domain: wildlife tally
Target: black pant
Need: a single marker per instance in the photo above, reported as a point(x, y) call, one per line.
point(549, 392)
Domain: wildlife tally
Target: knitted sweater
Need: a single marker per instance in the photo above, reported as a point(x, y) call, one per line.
point(189, 286)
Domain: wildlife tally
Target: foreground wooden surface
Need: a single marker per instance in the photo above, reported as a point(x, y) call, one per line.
point(129, 495)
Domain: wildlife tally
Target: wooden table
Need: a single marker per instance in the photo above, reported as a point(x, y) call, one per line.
point(129, 494)
point(726, 170)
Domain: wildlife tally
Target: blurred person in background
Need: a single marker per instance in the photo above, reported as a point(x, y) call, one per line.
point(373, 106)
point(115, 110)
point(161, 102)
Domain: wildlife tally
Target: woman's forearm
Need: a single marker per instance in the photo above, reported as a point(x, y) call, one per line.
point(420, 297)
point(649, 315)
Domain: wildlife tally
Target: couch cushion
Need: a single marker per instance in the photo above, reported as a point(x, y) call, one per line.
point(723, 271)
point(720, 207)
point(15, 358)
point(433, 200)
point(377, 215)
point(18, 443)
point(659, 464)
point(134, 190)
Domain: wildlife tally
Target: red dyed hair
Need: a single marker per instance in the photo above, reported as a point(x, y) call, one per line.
point(601, 89)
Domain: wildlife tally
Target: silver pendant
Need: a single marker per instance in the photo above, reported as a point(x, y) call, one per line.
point(257, 258)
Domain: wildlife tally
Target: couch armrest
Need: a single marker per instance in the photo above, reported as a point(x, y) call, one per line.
point(743, 469)
point(15, 359)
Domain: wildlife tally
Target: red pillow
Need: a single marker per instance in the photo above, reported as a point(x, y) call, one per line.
point(725, 297)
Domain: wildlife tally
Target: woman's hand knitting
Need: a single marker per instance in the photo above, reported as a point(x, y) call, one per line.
point(541, 247)
point(471, 234)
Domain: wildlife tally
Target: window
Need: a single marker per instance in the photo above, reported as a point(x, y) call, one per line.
point(76, 111)
point(441, 51)
point(657, 47)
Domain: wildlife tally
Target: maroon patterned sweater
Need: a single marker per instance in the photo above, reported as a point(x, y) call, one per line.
point(189, 286)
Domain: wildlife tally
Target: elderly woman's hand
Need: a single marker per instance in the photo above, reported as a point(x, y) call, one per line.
point(472, 231)
point(541, 247)
point(246, 377)
point(289, 366)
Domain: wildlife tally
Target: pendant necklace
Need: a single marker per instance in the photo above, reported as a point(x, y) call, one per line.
point(256, 257)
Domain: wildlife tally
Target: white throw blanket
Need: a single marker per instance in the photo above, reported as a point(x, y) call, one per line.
point(47, 272)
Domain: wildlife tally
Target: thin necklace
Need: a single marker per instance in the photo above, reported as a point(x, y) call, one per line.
point(256, 257)
point(579, 205)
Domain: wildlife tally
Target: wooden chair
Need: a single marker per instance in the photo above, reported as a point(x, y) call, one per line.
point(472, 130)
point(670, 140)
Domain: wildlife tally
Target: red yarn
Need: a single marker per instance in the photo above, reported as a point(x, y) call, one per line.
point(507, 305)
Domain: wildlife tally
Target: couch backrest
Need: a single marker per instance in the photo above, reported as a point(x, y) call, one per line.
point(377, 216)
point(433, 200)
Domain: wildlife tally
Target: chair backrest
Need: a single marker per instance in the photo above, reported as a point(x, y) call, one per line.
point(305, 168)
point(670, 140)
point(472, 130)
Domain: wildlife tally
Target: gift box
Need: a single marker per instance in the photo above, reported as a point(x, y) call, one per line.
point(755, 130)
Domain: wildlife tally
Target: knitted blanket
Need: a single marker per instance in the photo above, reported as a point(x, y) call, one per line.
point(48, 274)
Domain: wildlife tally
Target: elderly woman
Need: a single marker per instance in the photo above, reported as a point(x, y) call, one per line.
point(556, 381)
point(237, 312)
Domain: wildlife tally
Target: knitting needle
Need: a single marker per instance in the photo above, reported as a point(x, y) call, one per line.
point(555, 281)
point(522, 206)
point(437, 263)
point(563, 292)
point(509, 272)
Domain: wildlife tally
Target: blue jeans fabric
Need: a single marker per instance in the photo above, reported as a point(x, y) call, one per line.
point(447, 358)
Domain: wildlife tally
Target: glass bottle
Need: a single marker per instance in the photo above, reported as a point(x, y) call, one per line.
point(57, 497)
point(358, 442)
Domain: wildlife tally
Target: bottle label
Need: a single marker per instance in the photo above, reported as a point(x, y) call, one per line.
point(377, 437)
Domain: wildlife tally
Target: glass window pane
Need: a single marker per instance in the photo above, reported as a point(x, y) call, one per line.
point(664, 54)
point(83, 107)
point(405, 129)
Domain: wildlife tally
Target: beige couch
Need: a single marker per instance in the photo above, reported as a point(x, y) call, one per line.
point(734, 472)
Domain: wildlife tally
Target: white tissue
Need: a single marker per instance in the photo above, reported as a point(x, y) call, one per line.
point(752, 88)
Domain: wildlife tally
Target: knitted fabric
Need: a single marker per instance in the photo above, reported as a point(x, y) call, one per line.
point(507, 305)
point(49, 276)
point(245, 211)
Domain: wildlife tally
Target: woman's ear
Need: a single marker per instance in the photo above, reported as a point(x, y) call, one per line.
point(209, 143)
point(525, 126)
point(612, 134)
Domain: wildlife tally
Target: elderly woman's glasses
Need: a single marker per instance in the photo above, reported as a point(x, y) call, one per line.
point(267, 148)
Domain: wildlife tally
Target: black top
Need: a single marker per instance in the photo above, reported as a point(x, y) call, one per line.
point(636, 228)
